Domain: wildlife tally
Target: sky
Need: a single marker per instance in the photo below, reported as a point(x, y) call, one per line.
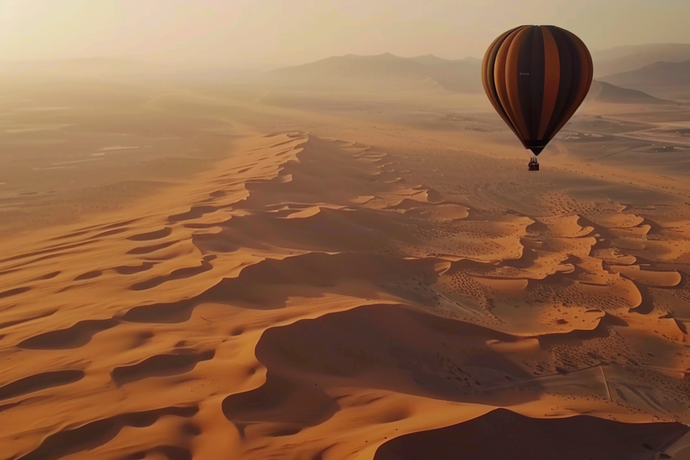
point(262, 34)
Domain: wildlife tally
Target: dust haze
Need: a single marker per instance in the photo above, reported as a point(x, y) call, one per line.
point(299, 230)
point(269, 33)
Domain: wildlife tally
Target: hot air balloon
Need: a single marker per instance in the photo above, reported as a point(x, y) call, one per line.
point(536, 77)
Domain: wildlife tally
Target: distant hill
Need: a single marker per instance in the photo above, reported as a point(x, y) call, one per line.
point(626, 58)
point(663, 79)
point(457, 75)
point(606, 92)
point(430, 59)
point(460, 74)
point(351, 65)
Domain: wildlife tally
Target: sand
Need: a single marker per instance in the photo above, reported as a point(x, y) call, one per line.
point(331, 282)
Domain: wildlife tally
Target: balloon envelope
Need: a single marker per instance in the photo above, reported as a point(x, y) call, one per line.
point(536, 77)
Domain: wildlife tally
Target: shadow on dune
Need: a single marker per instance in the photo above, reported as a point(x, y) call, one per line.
point(502, 434)
point(86, 437)
point(285, 406)
point(180, 273)
point(160, 365)
point(73, 337)
point(418, 352)
point(322, 171)
point(270, 283)
point(328, 230)
point(376, 347)
point(39, 382)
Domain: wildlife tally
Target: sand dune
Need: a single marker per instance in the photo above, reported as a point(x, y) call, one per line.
point(344, 288)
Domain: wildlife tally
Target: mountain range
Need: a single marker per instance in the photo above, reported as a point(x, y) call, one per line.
point(660, 80)
point(660, 70)
point(458, 74)
point(663, 79)
point(627, 58)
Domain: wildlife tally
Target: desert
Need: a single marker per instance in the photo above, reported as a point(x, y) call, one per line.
point(305, 265)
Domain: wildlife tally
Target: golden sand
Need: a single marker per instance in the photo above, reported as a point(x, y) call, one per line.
point(338, 285)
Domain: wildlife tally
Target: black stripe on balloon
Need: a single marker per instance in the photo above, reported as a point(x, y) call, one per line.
point(524, 82)
point(577, 73)
point(566, 79)
point(537, 76)
point(576, 83)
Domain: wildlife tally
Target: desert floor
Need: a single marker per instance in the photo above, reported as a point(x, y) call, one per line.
point(243, 272)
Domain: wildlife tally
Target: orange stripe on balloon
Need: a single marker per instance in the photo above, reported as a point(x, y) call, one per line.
point(488, 78)
point(512, 100)
point(499, 77)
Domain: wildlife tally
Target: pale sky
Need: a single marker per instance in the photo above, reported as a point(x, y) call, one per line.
point(272, 33)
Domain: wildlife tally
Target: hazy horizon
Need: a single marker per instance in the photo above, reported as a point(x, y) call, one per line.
point(262, 35)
